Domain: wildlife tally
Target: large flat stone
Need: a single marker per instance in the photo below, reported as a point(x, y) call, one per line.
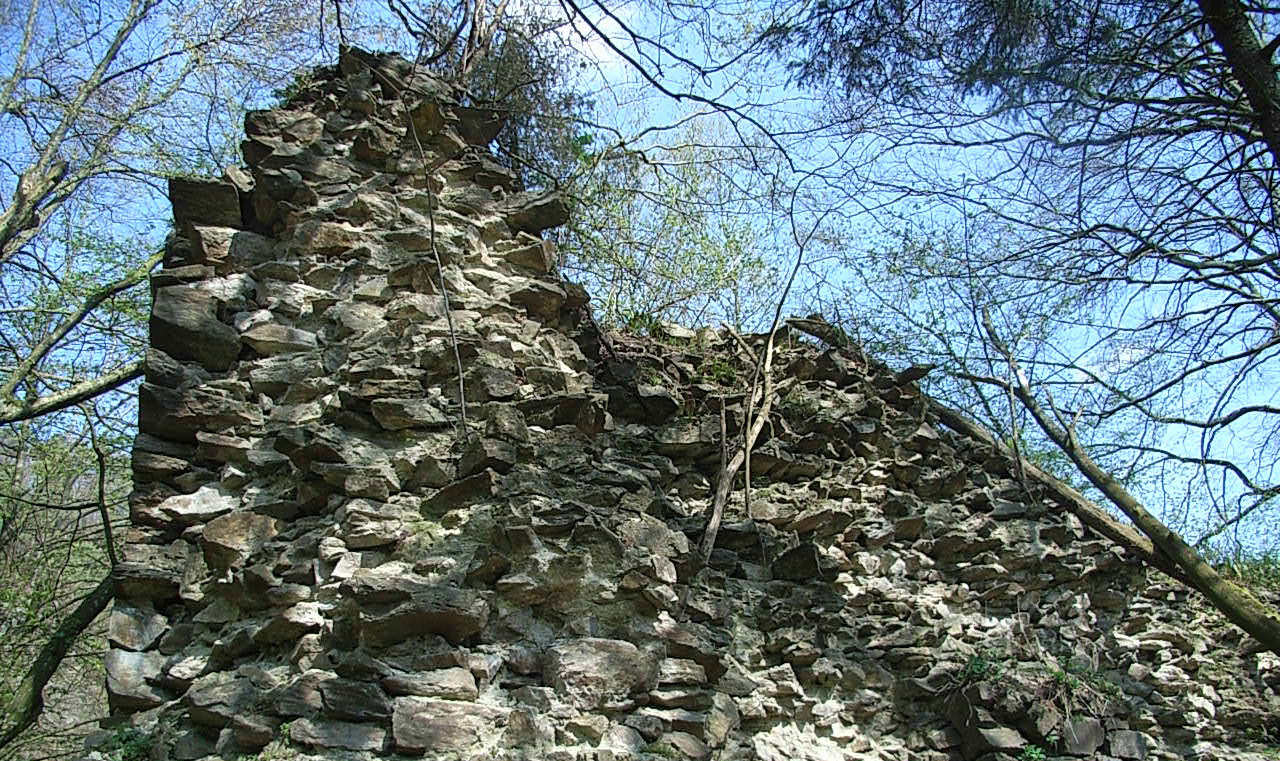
point(453, 683)
point(185, 325)
point(428, 725)
point(177, 415)
point(342, 735)
point(395, 608)
point(135, 627)
point(591, 672)
point(233, 537)
point(209, 202)
point(269, 339)
point(201, 506)
point(129, 677)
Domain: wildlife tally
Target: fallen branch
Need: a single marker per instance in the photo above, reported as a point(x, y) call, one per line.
point(1081, 506)
point(1233, 601)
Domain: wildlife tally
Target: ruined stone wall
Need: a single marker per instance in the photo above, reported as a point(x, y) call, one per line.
point(324, 561)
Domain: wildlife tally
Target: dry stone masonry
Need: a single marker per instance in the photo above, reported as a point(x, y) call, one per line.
point(325, 562)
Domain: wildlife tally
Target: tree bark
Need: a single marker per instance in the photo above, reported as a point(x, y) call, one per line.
point(1250, 65)
point(1233, 601)
point(28, 699)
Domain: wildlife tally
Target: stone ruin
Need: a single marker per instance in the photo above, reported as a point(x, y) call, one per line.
point(327, 561)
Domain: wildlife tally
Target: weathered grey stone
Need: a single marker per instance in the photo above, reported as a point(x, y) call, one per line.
point(428, 725)
point(233, 537)
point(542, 301)
point(185, 325)
point(275, 375)
point(178, 415)
point(129, 679)
point(221, 448)
point(354, 701)
point(526, 730)
point(622, 739)
point(1083, 736)
point(375, 480)
point(367, 524)
point(485, 453)
point(680, 671)
point(302, 696)
point(484, 384)
point(215, 699)
point(150, 572)
point(1127, 744)
point(722, 719)
point(317, 237)
point(209, 202)
point(399, 414)
point(355, 318)
point(452, 683)
point(681, 745)
point(399, 607)
point(535, 212)
point(290, 624)
point(591, 671)
point(272, 338)
point(462, 493)
point(659, 403)
point(800, 564)
point(787, 742)
point(135, 627)
point(343, 735)
point(205, 504)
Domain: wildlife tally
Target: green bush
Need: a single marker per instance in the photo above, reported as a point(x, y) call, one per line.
point(984, 665)
point(127, 744)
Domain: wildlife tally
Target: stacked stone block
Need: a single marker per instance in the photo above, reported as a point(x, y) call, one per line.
point(325, 560)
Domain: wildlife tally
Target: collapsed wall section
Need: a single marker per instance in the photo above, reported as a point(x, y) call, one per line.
point(325, 558)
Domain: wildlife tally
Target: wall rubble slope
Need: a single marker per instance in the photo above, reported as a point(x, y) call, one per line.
point(323, 564)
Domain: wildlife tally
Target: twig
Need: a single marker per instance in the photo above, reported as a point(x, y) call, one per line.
point(756, 419)
point(27, 699)
point(108, 536)
point(435, 250)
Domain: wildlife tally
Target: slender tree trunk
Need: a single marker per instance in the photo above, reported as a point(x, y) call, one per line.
point(27, 702)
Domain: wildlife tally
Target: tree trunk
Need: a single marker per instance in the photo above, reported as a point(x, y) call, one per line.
point(24, 707)
point(1250, 65)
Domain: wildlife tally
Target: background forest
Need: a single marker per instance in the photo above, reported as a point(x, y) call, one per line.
point(1069, 208)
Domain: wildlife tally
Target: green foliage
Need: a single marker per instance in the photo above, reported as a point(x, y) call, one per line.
point(1068, 682)
point(639, 323)
point(984, 665)
point(800, 403)
point(651, 376)
point(1009, 50)
point(1258, 571)
point(664, 750)
point(1032, 753)
point(674, 234)
point(127, 743)
point(302, 80)
point(718, 370)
